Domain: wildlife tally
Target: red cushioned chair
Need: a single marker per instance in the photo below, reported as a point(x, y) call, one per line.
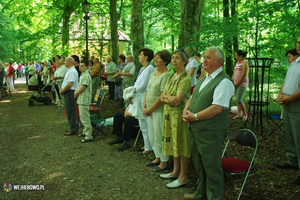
point(234, 166)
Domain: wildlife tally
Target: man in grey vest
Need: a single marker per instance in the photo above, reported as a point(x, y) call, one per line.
point(207, 112)
point(289, 98)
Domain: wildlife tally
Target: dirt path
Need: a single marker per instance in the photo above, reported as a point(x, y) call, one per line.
point(33, 150)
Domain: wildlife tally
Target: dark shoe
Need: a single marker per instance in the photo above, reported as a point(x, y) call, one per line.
point(286, 166)
point(297, 181)
point(158, 169)
point(123, 147)
point(86, 140)
point(116, 141)
point(70, 133)
point(189, 196)
point(150, 164)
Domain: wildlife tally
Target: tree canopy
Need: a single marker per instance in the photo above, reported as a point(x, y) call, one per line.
point(37, 30)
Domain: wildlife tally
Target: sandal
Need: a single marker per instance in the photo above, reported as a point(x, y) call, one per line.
point(150, 164)
point(158, 169)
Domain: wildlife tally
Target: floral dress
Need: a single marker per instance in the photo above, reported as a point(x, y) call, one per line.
point(175, 130)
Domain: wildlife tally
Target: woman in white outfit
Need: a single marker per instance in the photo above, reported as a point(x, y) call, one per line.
point(153, 108)
point(145, 57)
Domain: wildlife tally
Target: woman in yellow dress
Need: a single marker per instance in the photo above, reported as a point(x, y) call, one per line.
point(175, 131)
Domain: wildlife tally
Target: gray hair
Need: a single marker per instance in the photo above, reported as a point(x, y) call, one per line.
point(183, 54)
point(70, 59)
point(219, 52)
point(130, 55)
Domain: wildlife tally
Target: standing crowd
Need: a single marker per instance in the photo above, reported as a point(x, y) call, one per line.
point(182, 111)
point(161, 102)
point(172, 121)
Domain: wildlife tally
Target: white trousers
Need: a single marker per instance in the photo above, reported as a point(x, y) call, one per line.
point(84, 114)
point(155, 128)
point(144, 128)
point(11, 81)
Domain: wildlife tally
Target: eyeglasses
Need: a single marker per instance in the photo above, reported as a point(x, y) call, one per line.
point(183, 51)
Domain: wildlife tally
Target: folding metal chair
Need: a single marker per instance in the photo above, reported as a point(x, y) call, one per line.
point(275, 124)
point(96, 111)
point(235, 166)
point(137, 136)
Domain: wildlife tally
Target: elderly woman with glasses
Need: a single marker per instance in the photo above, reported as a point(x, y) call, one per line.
point(175, 130)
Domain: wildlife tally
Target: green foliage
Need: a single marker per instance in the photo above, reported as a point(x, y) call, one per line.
point(6, 37)
point(33, 29)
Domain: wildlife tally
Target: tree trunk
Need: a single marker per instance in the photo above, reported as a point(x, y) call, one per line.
point(114, 30)
point(66, 31)
point(137, 30)
point(227, 40)
point(191, 18)
point(235, 25)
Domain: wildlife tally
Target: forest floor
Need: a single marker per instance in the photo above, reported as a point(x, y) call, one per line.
point(34, 151)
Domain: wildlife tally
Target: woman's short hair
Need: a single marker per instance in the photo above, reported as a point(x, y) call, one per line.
point(292, 51)
point(122, 57)
point(92, 62)
point(165, 55)
point(241, 53)
point(183, 54)
point(147, 52)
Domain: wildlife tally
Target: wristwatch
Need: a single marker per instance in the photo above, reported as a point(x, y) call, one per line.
point(196, 117)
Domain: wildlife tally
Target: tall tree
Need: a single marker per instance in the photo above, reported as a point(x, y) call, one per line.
point(66, 29)
point(191, 19)
point(235, 25)
point(114, 29)
point(137, 29)
point(227, 40)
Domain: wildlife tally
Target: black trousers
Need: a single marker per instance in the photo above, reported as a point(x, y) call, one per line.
point(70, 103)
point(130, 131)
point(111, 86)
